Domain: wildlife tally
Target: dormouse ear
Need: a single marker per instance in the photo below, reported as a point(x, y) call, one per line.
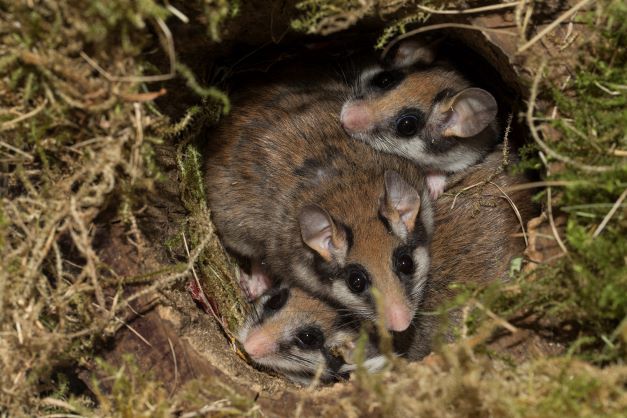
point(399, 204)
point(321, 234)
point(468, 113)
point(412, 51)
point(256, 283)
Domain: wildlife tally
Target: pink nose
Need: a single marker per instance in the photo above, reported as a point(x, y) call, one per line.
point(355, 118)
point(259, 345)
point(397, 317)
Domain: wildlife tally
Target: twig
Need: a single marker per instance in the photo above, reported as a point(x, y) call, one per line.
point(549, 198)
point(516, 211)
point(607, 90)
point(16, 150)
point(482, 9)
point(536, 137)
point(118, 319)
point(464, 190)
point(135, 160)
point(610, 214)
point(502, 322)
point(442, 26)
point(134, 331)
point(553, 25)
point(12, 124)
point(176, 12)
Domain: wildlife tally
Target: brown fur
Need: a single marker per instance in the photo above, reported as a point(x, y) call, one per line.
point(425, 91)
point(473, 243)
point(281, 148)
point(279, 333)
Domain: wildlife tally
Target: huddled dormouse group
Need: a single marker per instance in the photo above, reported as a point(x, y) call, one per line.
point(329, 184)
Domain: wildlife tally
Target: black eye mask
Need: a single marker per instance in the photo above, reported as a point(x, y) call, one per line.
point(310, 338)
point(274, 304)
point(387, 80)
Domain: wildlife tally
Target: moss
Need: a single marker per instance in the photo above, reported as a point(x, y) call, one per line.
point(216, 268)
point(588, 286)
point(328, 16)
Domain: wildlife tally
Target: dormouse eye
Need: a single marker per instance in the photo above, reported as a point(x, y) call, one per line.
point(407, 125)
point(357, 281)
point(405, 264)
point(386, 79)
point(277, 301)
point(310, 338)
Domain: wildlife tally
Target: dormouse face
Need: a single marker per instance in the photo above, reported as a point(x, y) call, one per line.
point(375, 237)
point(297, 334)
point(418, 112)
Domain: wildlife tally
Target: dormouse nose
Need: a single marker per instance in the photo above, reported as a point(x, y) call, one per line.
point(259, 344)
point(355, 118)
point(397, 317)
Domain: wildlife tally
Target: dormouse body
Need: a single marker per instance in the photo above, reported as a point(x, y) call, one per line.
point(299, 335)
point(474, 242)
point(424, 111)
point(289, 189)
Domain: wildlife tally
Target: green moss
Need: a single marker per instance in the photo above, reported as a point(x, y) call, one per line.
point(589, 286)
point(216, 12)
point(216, 268)
point(327, 16)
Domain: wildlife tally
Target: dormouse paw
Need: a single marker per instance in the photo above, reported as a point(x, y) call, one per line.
point(436, 183)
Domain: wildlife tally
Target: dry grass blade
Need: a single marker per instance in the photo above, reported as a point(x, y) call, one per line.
point(536, 136)
point(549, 198)
point(482, 9)
point(516, 211)
point(609, 215)
point(16, 150)
point(12, 124)
point(176, 367)
point(553, 25)
point(501, 321)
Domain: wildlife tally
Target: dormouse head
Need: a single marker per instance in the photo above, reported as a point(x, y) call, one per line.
point(298, 335)
point(417, 110)
point(372, 235)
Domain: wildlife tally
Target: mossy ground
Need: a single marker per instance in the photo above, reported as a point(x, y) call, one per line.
point(79, 140)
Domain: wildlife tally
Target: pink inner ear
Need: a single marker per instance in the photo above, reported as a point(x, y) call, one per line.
point(470, 112)
point(256, 283)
